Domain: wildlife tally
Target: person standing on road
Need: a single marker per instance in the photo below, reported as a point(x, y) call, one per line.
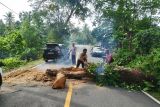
point(82, 59)
point(73, 53)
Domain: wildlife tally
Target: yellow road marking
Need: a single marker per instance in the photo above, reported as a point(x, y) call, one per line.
point(69, 95)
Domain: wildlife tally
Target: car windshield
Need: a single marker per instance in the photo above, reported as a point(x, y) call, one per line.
point(51, 45)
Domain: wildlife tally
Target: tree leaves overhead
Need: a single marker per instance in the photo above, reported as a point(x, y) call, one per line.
point(66, 8)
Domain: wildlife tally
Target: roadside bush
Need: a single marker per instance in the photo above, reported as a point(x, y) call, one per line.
point(12, 62)
point(29, 54)
point(147, 40)
point(150, 66)
point(112, 77)
point(123, 57)
point(132, 79)
point(92, 68)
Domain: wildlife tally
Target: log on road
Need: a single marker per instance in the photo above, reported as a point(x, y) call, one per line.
point(68, 74)
point(60, 81)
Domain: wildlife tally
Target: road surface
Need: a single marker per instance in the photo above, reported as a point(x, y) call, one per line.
point(83, 95)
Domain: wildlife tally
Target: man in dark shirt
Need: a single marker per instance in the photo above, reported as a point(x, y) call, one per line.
point(82, 59)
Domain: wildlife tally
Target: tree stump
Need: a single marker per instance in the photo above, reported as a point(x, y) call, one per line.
point(59, 82)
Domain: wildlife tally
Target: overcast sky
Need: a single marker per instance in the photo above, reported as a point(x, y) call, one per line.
point(16, 5)
point(22, 5)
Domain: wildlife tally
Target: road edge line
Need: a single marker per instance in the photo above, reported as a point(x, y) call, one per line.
point(69, 95)
point(151, 97)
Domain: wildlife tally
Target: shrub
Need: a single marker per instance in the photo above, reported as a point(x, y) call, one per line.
point(12, 62)
point(29, 54)
point(150, 66)
point(112, 77)
point(123, 57)
point(92, 68)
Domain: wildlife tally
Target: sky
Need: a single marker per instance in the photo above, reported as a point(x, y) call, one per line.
point(22, 5)
point(16, 5)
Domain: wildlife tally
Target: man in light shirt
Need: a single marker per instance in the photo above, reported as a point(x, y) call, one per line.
point(73, 53)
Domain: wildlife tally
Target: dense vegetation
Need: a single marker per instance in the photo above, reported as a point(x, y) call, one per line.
point(20, 41)
point(23, 40)
point(134, 35)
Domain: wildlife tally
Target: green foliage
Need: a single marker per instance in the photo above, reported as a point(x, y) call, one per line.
point(12, 62)
point(92, 68)
point(111, 76)
point(123, 57)
point(11, 44)
point(147, 40)
point(117, 78)
point(82, 36)
point(103, 33)
point(29, 54)
point(137, 36)
point(22, 40)
point(149, 64)
point(148, 86)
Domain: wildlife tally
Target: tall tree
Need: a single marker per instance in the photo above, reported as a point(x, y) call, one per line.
point(65, 8)
point(9, 17)
point(57, 14)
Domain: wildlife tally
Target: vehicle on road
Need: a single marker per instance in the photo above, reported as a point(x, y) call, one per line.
point(97, 51)
point(0, 77)
point(52, 51)
point(1, 64)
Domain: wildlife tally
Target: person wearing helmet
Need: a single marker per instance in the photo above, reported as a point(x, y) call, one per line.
point(82, 59)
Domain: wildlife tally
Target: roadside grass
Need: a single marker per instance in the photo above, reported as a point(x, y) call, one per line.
point(31, 64)
point(155, 95)
point(26, 65)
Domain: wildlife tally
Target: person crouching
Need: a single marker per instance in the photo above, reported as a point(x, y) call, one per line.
point(82, 59)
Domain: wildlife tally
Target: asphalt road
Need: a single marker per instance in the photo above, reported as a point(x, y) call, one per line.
point(90, 95)
point(83, 95)
point(33, 97)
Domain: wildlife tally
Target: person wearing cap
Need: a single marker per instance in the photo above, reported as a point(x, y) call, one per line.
point(82, 59)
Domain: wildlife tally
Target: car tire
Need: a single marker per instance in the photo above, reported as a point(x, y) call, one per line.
point(0, 80)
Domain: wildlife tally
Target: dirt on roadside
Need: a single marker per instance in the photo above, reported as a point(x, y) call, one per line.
point(34, 77)
point(26, 77)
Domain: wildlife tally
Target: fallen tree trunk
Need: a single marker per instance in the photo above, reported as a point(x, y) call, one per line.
point(51, 72)
point(135, 76)
point(68, 74)
point(75, 75)
point(60, 81)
